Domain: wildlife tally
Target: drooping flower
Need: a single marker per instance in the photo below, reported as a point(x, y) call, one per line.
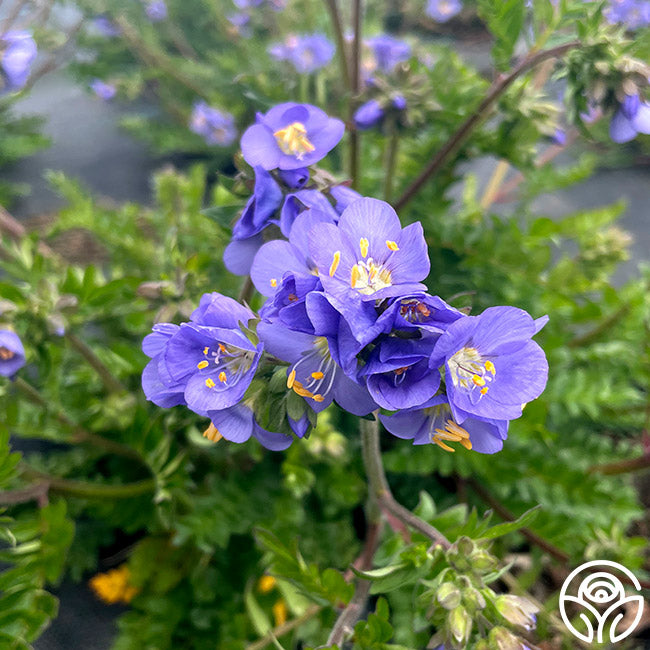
point(12, 353)
point(443, 10)
point(368, 257)
point(418, 311)
point(290, 136)
point(307, 52)
point(214, 126)
point(388, 51)
point(368, 115)
point(397, 373)
point(102, 89)
point(492, 366)
point(433, 423)
point(17, 53)
point(207, 363)
point(313, 373)
point(237, 424)
point(631, 118)
point(156, 10)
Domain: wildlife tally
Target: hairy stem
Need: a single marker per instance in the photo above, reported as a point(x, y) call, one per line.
point(111, 383)
point(379, 489)
point(482, 111)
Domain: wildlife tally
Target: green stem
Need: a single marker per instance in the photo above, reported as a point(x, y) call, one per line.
point(390, 158)
point(622, 466)
point(460, 135)
point(379, 489)
point(79, 434)
point(341, 45)
point(110, 382)
point(246, 291)
point(355, 66)
point(86, 490)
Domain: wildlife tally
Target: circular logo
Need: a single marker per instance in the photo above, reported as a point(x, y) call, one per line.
point(595, 593)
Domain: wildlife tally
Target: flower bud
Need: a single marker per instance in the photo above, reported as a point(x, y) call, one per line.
point(502, 639)
point(482, 562)
point(518, 611)
point(460, 625)
point(368, 115)
point(473, 600)
point(449, 595)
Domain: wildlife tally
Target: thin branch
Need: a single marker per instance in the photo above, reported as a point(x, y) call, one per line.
point(463, 131)
point(283, 629)
point(341, 45)
point(36, 492)
point(110, 382)
point(601, 328)
point(350, 615)
point(378, 485)
point(355, 67)
point(622, 466)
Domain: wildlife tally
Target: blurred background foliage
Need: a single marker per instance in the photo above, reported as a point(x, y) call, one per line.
point(101, 478)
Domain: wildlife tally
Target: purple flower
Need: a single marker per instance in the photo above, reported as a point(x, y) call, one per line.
point(443, 10)
point(207, 363)
point(397, 373)
point(388, 51)
point(433, 423)
point(343, 196)
point(237, 424)
point(290, 136)
point(294, 179)
point(104, 26)
point(368, 115)
point(12, 353)
point(368, 257)
point(632, 13)
point(216, 127)
point(156, 10)
point(418, 311)
point(559, 137)
point(17, 53)
point(492, 367)
point(102, 89)
point(399, 102)
point(631, 118)
point(307, 53)
point(297, 202)
point(314, 374)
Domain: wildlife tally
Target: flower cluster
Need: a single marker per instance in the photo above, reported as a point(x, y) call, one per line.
point(214, 126)
point(17, 53)
point(307, 52)
point(347, 312)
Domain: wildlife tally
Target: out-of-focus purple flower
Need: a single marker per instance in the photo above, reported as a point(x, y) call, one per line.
point(433, 423)
point(397, 373)
point(443, 10)
point(241, 22)
point(104, 26)
point(12, 353)
point(559, 137)
point(156, 10)
point(399, 102)
point(631, 118)
point(17, 53)
point(290, 136)
point(237, 424)
point(247, 4)
point(593, 113)
point(214, 126)
point(492, 365)
point(307, 52)
point(313, 373)
point(388, 51)
point(631, 13)
point(102, 89)
point(368, 115)
point(207, 363)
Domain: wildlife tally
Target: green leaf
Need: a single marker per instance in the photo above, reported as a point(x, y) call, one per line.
point(510, 527)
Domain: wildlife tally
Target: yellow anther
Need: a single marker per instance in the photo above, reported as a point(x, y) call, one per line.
point(392, 246)
point(317, 375)
point(212, 433)
point(466, 443)
point(293, 140)
point(274, 282)
point(6, 354)
point(291, 379)
point(457, 430)
point(478, 380)
point(484, 390)
point(299, 390)
point(210, 383)
point(222, 347)
point(318, 398)
point(363, 245)
point(442, 445)
point(222, 377)
point(280, 612)
point(266, 584)
point(354, 276)
point(202, 364)
point(335, 263)
point(489, 366)
point(206, 349)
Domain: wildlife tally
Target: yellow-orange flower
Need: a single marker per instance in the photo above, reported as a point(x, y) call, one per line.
point(114, 586)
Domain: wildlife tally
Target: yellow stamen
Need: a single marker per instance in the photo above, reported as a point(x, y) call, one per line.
point(222, 347)
point(317, 375)
point(363, 245)
point(318, 398)
point(478, 380)
point(489, 366)
point(335, 263)
point(212, 433)
point(466, 443)
point(266, 584)
point(392, 246)
point(293, 140)
point(291, 379)
point(484, 390)
point(209, 383)
point(206, 349)
point(280, 612)
point(202, 364)
point(222, 377)
point(274, 282)
point(354, 276)
point(442, 445)
point(454, 428)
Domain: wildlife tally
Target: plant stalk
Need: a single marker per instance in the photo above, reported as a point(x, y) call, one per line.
point(111, 383)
